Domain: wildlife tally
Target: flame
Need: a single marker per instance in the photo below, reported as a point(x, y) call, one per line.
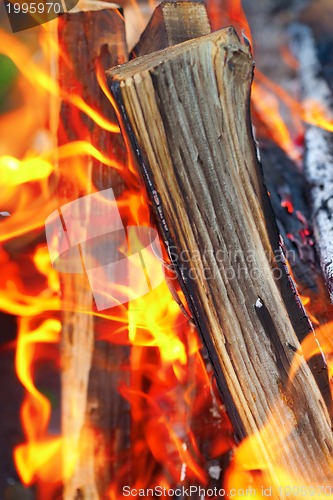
point(320, 344)
point(268, 99)
point(266, 105)
point(36, 457)
point(21, 57)
point(229, 13)
point(165, 360)
point(314, 113)
point(100, 75)
point(175, 410)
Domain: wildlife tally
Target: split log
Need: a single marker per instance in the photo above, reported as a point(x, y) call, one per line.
point(95, 418)
point(186, 111)
point(318, 162)
point(288, 196)
point(165, 29)
point(171, 23)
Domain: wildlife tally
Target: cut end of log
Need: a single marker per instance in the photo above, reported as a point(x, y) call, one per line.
point(225, 37)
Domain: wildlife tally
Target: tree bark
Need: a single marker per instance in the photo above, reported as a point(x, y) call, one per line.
point(95, 418)
point(186, 110)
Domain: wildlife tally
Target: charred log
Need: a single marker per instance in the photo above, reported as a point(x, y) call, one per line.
point(197, 157)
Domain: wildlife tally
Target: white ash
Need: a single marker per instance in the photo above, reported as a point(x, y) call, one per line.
point(318, 163)
point(5, 214)
point(258, 303)
point(214, 471)
point(323, 232)
point(183, 472)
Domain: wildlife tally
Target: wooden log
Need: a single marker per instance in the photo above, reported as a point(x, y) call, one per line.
point(165, 29)
point(288, 195)
point(318, 162)
point(186, 110)
point(171, 23)
point(95, 418)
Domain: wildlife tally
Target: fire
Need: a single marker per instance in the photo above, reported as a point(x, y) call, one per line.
point(229, 13)
point(320, 344)
point(315, 114)
point(266, 106)
point(21, 57)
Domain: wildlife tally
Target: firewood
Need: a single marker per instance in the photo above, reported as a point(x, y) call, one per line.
point(171, 23)
point(164, 28)
point(94, 424)
point(318, 163)
point(186, 111)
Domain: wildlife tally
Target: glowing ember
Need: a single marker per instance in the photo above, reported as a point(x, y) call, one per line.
point(165, 361)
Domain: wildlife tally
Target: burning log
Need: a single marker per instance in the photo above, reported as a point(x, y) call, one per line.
point(318, 164)
point(94, 425)
point(164, 30)
point(198, 160)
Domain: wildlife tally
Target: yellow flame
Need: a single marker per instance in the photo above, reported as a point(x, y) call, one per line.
point(33, 457)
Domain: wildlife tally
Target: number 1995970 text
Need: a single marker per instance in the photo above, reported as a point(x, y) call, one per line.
point(34, 8)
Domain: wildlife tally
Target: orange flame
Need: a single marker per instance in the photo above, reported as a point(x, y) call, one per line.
point(34, 74)
point(165, 351)
point(267, 97)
